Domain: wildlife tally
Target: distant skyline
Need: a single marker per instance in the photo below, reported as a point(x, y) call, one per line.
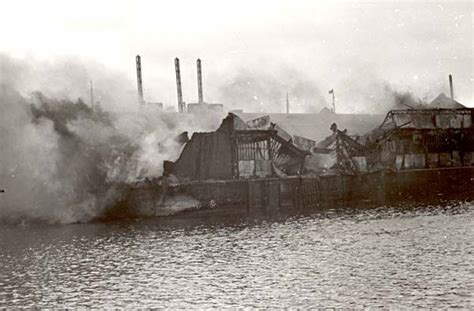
point(262, 47)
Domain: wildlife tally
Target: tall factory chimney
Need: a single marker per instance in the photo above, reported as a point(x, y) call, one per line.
point(287, 104)
point(199, 75)
point(181, 105)
point(139, 80)
point(451, 86)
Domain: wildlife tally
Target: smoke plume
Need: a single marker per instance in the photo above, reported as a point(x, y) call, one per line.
point(264, 89)
point(61, 161)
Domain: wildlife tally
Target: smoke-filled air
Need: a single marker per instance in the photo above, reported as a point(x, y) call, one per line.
point(63, 161)
point(64, 158)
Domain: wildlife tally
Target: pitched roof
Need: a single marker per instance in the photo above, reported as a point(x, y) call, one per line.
point(443, 101)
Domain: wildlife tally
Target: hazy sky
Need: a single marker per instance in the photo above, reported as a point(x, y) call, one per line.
point(354, 47)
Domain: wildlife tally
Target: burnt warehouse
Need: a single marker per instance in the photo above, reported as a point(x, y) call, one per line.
point(236, 150)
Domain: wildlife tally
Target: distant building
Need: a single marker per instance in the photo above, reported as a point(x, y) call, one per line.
point(202, 108)
point(326, 110)
point(155, 105)
point(444, 102)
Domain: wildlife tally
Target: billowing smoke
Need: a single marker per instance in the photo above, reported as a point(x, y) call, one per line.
point(264, 89)
point(62, 161)
point(69, 78)
point(386, 98)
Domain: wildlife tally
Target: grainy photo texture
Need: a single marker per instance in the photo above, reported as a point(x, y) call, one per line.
point(236, 154)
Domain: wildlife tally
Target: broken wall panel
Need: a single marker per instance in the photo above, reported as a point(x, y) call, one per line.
point(304, 143)
point(433, 160)
point(232, 152)
point(399, 162)
point(456, 158)
point(263, 168)
point(361, 163)
point(445, 159)
point(468, 158)
point(467, 121)
point(246, 168)
point(206, 156)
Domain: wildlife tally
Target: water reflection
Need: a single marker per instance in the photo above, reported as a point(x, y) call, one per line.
point(399, 256)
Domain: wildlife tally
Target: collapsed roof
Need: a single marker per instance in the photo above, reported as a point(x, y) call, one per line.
point(238, 150)
point(428, 118)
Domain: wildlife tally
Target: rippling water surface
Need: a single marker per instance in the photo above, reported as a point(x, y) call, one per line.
point(389, 256)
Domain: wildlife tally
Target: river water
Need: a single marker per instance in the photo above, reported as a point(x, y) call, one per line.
point(388, 256)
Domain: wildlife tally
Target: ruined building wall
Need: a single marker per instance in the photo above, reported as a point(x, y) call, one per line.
point(206, 156)
point(235, 151)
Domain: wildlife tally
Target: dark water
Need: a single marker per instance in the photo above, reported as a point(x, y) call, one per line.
point(392, 257)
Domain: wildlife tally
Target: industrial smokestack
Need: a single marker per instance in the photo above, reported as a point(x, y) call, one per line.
point(451, 86)
point(199, 75)
point(181, 107)
point(287, 104)
point(139, 80)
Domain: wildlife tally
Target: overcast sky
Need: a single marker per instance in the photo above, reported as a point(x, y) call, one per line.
point(303, 47)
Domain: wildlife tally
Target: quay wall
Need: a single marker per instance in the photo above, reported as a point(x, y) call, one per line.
point(271, 195)
point(308, 192)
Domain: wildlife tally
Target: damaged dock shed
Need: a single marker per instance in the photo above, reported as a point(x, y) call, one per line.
point(256, 166)
point(235, 151)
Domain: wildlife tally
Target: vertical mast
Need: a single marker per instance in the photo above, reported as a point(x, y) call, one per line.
point(451, 90)
point(333, 102)
point(331, 91)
